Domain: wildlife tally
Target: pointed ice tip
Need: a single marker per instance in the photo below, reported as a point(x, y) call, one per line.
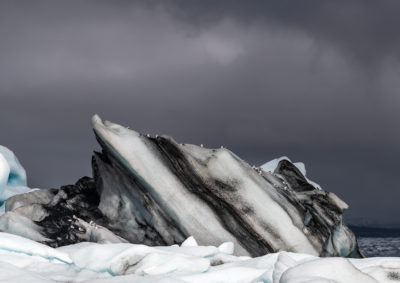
point(96, 120)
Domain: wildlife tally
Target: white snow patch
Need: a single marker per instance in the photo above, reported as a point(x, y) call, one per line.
point(23, 260)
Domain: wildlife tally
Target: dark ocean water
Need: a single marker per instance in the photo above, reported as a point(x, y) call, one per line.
point(375, 242)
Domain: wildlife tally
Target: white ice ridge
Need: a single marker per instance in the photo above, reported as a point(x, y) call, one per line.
point(271, 165)
point(23, 260)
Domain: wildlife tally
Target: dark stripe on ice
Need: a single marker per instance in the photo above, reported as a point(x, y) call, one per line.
point(138, 193)
point(227, 214)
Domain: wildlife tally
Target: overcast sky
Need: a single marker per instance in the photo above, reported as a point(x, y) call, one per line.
point(318, 81)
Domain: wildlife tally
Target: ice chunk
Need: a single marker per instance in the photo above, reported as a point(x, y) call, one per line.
point(155, 191)
point(17, 175)
point(4, 173)
point(10, 191)
point(12, 176)
point(43, 196)
point(338, 270)
point(189, 242)
point(163, 263)
point(270, 166)
point(284, 262)
point(20, 225)
point(177, 190)
point(96, 233)
point(118, 259)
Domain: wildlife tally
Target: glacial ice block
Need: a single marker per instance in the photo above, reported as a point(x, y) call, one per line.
point(17, 175)
point(157, 192)
point(177, 190)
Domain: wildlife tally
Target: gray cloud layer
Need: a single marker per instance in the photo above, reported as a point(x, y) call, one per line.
point(314, 80)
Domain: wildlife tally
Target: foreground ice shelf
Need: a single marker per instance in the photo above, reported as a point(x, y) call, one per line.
point(24, 260)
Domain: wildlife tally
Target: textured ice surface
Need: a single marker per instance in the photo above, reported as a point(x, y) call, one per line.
point(18, 224)
point(23, 260)
point(155, 191)
point(177, 190)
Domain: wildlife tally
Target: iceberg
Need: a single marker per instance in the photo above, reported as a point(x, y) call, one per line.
point(157, 192)
point(159, 211)
point(180, 190)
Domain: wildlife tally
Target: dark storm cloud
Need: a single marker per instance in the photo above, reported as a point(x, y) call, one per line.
point(314, 80)
point(365, 30)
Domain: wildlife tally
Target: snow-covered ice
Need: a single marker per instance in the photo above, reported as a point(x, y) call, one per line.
point(24, 260)
point(178, 190)
point(109, 260)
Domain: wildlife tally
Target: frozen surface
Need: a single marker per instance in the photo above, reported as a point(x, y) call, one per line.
point(12, 176)
point(177, 190)
point(23, 260)
point(114, 260)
